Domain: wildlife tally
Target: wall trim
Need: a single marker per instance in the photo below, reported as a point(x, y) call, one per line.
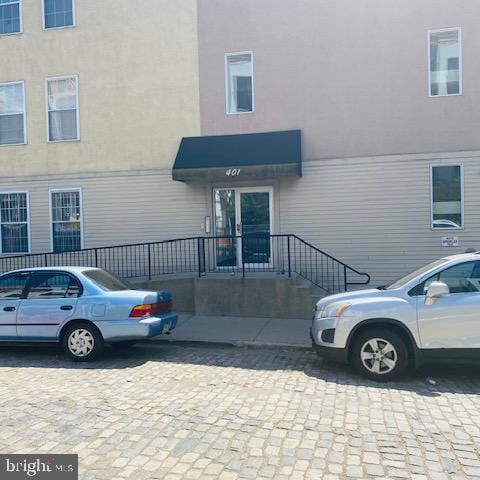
point(313, 162)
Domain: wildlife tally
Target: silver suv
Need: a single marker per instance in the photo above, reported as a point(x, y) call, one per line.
point(430, 314)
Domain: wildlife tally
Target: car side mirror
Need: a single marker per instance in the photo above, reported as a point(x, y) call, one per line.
point(435, 291)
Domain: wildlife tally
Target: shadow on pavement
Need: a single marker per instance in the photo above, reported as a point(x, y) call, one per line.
point(430, 380)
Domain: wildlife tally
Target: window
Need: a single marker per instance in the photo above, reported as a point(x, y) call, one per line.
point(447, 196)
point(106, 281)
point(62, 109)
point(239, 82)
point(10, 17)
point(66, 220)
point(461, 278)
point(14, 222)
point(12, 113)
point(11, 286)
point(44, 286)
point(58, 13)
point(445, 62)
point(407, 278)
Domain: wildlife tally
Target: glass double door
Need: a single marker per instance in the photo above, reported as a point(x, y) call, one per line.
point(244, 213)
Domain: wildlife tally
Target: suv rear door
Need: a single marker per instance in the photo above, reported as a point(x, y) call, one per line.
point(51, 299)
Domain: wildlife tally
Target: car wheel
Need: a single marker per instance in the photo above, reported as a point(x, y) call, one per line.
point(379, 354)
point(123, 345)
point(82, 342)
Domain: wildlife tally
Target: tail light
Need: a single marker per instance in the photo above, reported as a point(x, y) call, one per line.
point(151, 309)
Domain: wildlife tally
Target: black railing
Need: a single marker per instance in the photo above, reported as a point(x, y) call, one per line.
point(285, 254)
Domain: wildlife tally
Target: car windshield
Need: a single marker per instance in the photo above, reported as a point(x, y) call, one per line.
point(404, 280)
point(106, 281)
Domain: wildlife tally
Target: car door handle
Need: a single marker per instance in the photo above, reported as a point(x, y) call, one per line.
point(8, 309)
point(66, 307)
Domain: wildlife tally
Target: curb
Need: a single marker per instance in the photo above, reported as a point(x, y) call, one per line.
point(228, 344)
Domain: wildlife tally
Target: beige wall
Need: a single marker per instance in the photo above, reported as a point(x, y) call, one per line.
point(118, 207)
point(138, 81)
point(351, 74)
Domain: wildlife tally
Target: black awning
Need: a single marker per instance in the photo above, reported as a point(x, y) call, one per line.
point(239, 157)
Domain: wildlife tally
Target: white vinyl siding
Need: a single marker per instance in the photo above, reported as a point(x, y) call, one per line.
point(58, 13)
point(12, 113)
point(62, 109)
point(239, 82)
point(447, 196)
point(66, 218)
point(445, 62)
point(383, 226)
point(10, 17)
point(14, 223)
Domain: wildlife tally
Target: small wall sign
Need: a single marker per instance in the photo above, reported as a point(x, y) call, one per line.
point(450, 242)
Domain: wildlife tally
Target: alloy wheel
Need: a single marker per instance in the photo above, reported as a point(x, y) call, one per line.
point(378, 356)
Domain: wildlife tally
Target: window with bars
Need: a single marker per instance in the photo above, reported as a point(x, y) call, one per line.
point(10, 17)
point(14, 222)
point(62, 109)
point(12, 113)
point(66, 220)
point(58, 13)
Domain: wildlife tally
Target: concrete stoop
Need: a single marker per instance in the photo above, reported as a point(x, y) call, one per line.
point(267, 296)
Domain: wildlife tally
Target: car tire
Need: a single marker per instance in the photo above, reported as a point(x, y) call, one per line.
point(123, 345)
point(82, 342)
point(379, 354)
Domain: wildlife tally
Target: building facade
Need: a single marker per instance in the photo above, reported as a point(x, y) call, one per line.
point(351, 124)
point(93, 102)
point(383, 94)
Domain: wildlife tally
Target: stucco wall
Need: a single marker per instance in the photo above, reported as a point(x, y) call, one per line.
point(351, 74)
point(138, 84)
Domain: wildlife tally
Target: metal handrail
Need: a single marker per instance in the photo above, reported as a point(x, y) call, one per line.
point(280, 253)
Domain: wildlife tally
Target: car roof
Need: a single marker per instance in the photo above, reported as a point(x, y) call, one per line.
point(68, 269)
point(464, 256)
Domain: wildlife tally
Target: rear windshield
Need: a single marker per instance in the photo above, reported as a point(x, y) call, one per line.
point(106, 281)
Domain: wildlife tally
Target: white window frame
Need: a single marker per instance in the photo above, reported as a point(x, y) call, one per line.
point(50, 205)
point(227, 100)
point(18, 82)
point(28, 223)
point(460, 62)
point(20, 10)
point(65, 26)
point(462, 192)
point(62, 77)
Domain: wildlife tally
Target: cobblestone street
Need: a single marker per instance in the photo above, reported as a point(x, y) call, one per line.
point(176, 412)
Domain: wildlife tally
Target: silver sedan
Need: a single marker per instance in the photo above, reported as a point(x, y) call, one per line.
point(83, 308)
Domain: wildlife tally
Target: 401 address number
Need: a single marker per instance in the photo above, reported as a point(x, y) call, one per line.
point(233, 172)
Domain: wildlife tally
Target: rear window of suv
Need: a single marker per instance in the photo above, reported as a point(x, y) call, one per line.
point(106, 281)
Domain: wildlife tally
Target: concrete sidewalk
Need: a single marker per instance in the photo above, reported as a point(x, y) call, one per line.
point(242, 331)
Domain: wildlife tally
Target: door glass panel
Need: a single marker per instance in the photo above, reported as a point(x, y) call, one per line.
point(12, 286)
point(225, 248)
point(255, 219)
point(462, 278)
point(52, 285)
